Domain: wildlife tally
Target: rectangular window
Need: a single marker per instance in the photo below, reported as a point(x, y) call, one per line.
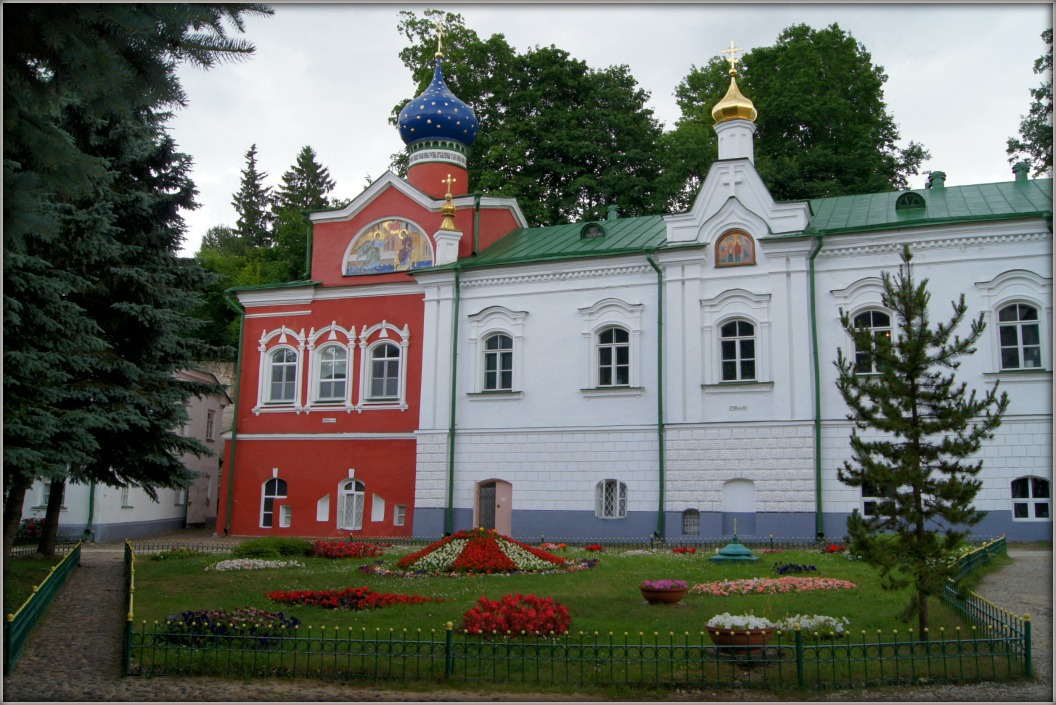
point(285, 515)
point(210, 423)
point(181, 497)
point(124, 497)
point(611, 500)
point(399, 515)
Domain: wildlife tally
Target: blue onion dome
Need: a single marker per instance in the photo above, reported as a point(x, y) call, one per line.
point(438, 115)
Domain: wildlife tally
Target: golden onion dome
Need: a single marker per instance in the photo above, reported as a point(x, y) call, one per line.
point(734, 106)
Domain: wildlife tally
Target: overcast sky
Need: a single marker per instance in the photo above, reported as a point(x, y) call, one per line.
point(327, 75)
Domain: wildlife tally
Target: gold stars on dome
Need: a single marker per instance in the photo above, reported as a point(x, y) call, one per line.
point(734, 106)
point(448, 209)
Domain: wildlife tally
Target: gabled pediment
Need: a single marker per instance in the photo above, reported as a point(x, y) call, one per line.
point(734, 196)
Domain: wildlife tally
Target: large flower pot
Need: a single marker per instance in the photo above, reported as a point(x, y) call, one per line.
point(663, 596)
point(754, 639)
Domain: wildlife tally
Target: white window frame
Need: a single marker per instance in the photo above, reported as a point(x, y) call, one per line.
point(357, 491)
point(399, 515)
point(180, 497)
point(332, 336)
point(890, 328)
point(739, 358)
point(45, 494)
point(1020, 347)
point(125, 499)
point(285, 516)
point(605, 314)
point(690, 517)
point(280, 486)
point(1016, 286)
point(281, 338)
point(491, 321)
point(753, 308)
point(601, 507)
point(210, 423)
point(369, 340)
point(1032, 501)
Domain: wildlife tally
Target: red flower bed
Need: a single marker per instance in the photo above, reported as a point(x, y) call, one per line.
point(516, 615)
point(347, 549)
point(835, 548)
point(483, 557)
point(362, 598)
point(479, 551)
point(684, 549)
point(595, 547)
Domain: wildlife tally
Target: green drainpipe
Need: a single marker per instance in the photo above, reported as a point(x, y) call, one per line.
point(308, 247)
point(233, 303)
point(476, 220)
point(449, 514)
point(660, 530)
point(819, 526)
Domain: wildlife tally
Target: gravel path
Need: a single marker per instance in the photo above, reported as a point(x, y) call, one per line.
point(80, 659)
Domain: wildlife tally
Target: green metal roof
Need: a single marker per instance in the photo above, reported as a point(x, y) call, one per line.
point(876, 211)
point(555, 242)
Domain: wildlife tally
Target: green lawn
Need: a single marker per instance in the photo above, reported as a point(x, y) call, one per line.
point(21, 576)
point(604, 599)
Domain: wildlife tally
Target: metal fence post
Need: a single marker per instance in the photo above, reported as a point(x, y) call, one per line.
point(1028, 658)
point(800, 676)
point(449, 653)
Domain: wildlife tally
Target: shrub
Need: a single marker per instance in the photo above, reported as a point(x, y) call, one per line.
point(786, 568)
point(201, 627)
point(349, 599)
point(271, 547)
point(346, 549)
point(514, 615)
point(176, 554)
point(29, 530)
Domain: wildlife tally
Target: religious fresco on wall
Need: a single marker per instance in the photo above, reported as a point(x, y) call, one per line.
point(734, 248)
point(394, 245)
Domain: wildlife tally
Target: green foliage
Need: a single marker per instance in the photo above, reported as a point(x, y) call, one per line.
point(253, 204)
point(914, 430)
point(272, 547)
point(96, 300)
point(823, 127)
point(563, 138)
point(176, 554)
point(305, 186)
point(1035, 128)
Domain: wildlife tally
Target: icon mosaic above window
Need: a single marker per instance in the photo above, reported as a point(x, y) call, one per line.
point(734, 249)
point(393, 245)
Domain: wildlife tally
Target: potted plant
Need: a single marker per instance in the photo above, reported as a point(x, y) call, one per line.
point(740, 630)
point(663, 592)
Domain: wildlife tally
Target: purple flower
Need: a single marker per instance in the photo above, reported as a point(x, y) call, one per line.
point(664, 584)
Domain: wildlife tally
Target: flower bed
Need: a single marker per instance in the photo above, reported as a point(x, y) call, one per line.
point(821, 625)
point(664, 584)
point(479, 551)
point(594, 548)
point(348, 599)
point(347, 549)
point(786, 568)
point(252, 564)
point(684, 549)
point(197, 627)
point(516, 615)
point(749, 586)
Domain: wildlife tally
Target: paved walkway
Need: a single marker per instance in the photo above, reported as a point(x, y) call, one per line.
point(76, 654)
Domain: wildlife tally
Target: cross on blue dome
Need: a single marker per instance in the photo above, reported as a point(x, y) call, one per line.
point(437, 113)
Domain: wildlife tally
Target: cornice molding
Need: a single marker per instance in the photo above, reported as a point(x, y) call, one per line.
point(939, 243)
point(536, 277)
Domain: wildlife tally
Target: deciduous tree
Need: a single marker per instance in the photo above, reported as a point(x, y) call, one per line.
point(915, 433)
point(1035, 128)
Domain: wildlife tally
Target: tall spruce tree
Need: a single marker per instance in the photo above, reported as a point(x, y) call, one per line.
point(1035, 128)
point(915, 430)
point(95, 297)
point(253, 203)
point(305, 186)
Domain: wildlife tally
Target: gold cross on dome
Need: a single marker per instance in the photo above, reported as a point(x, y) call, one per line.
point(449, 180)
point(439, 37)
point(732, 51)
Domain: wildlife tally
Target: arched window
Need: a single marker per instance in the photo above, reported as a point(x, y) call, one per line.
point(333, 373)
point(498, 363)
point(879, 324)
point(273, 489)
point(611, 500)
point(1020, 336)
point(691, 522)
point(350, 506)
point(737, 346)
point(614, 357)
point(384, 372)
point(1030, 498)
point(282, 376)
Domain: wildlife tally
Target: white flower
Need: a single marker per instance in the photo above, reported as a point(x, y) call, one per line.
point(820, 623)
point(252, 564)
point(739, 621)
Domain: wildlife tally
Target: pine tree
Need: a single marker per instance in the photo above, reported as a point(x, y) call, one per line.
point(305, 186)
point(253, 204)
point(95, 297)
point(922, 429)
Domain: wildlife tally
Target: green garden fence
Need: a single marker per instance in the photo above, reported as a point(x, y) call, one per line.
point(18, 626)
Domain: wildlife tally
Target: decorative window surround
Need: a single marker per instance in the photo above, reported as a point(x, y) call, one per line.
point(351, 495)
point(271, 491)
point(491, 321)
point(728, 306)
point(610, 500)
point(1031, 499)
point(369, 339)
point(1017, 286)
point(612, 313)
point(332, 335)
point(279, 339)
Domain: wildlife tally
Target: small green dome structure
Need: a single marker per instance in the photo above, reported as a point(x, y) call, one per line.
point(735, 551)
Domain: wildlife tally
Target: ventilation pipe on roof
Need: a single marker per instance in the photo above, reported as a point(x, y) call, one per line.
point(613, 213)
point(1020, 169)
point(936, 180)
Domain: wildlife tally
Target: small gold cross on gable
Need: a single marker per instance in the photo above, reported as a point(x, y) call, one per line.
point(732, 51)
point(449, 180)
